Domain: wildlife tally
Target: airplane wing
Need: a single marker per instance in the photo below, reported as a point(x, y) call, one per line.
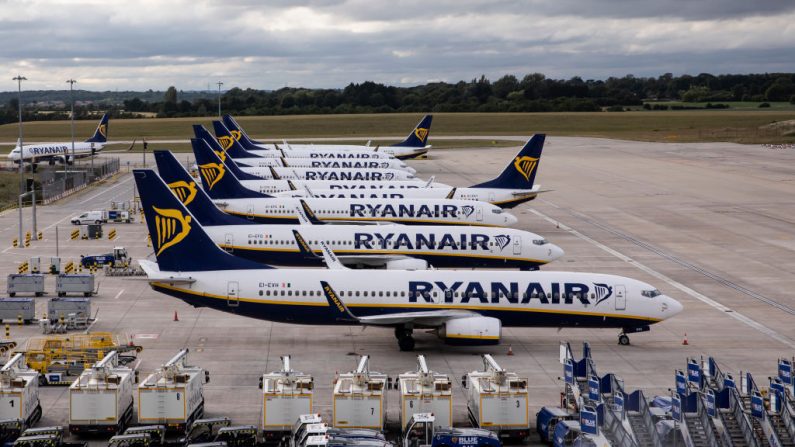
point(429, 318)
point(121, 150)
point(153, 274)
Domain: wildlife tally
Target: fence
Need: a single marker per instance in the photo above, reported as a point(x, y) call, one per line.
point(56, 185)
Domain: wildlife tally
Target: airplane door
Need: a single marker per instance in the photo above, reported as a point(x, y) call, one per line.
point(621, 298)
point(517, 245)
point(491, 197)
point(250, 212)
point(229, 241)
point(479, 214)
point(232, 298)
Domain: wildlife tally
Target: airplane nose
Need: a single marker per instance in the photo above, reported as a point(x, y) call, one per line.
point(674, 307)
point(555, 252)
point(510, 219)
point(409, 169)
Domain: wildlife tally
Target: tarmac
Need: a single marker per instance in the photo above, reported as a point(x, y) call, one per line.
point(711, 225)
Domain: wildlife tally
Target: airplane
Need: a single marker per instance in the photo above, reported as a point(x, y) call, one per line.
point(333, 174)
point(412, 147)
point(227, 192)
point(460, 306)
point(62, 152)
point(511, 188)
point(242, 157)
point(384, 246)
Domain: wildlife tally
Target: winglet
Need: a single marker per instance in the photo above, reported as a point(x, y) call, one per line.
point(336, 305)
point(291, 185)
point(332, 262)
point(430, 181)
point(303, 246)
point(305, 212)
point(284, 161)
point(451, 194)
point(308, 191)
point(274, 174)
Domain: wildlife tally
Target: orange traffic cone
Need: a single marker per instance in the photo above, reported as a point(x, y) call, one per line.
point(684, 342)
point(176, 317)
point(510, 350)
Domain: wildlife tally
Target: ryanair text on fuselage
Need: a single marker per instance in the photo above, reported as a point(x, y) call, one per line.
point(496, 292)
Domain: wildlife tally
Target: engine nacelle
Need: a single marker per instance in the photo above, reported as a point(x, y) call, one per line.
point(407, 264)
point(475, 330)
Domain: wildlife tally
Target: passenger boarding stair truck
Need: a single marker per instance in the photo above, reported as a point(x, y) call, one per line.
point(173, 395)
point(785, 390)
point(19, 397)
point(101, 399)
point(286, 395)
point(761, 415)
point(359, 398)
point(730, 410)
point(497, 400)
point(694, 425)
point(425, 391)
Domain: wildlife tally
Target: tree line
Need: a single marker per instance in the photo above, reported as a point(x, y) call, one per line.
point(532, 93)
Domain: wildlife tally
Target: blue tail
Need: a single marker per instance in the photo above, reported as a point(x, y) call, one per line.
point(230, 144)
point(219, 151)
point(419, 136)
point(521, 171)
point(101, 134)
point(203, 134)
point(240, 135)
point(179, 242)
point(195, 199)
point(218, 181)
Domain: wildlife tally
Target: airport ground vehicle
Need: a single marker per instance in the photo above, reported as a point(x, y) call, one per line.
point(74, 283)
point(25, 283)
point(497, 400)
point(286, 394)
point(12, 309)
point(101, 399)
point(424, 391)
point(360, 398)
point(19, 396)
point(420, 431)
point(117, 258)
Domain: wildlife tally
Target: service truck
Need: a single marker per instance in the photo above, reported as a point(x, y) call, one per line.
point(19, 393)
point(421, 431)
point(173, 395)
point(117, 258)
point(497, 400)
point(424, 391)
point(101, 399)
point(101, 216)
point(359, 399)
point(286, 395)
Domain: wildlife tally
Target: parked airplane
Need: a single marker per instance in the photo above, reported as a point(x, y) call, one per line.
point(465, 307)
point(232, 148)
point(224, 188)
point(512, 187)
point(333, 174)
point(389, 246)
point(412, 147)
point(62, 152)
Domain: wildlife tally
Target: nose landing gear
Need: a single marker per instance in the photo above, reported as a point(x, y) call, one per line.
point(404, 338)
point(623, 339)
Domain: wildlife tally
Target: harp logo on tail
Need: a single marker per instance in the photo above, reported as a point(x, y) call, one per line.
point(172, 227)
point(221, 155)
point(603, 292)
point(236, 134)
point(212, 173)
point(226, 142)
point(421, 133)
point(525, 165)
point(502, 240)
point(184, 191)
point(103, 129)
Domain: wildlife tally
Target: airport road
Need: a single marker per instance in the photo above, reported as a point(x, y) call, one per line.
point(709, 224)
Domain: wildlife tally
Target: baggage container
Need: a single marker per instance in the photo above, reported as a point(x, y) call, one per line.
point(58, 308)
point(25, 284)
point(359, 399)
point(80, 283)
point(173, 395)
point(19, 393)
point(497, 400)
point(16, 308)
point(101, 399)
point(286, 395)
point(424, 391)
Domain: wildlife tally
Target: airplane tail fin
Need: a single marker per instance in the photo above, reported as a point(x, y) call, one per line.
point(218, 180)
point(194, 198)
point(179, 242)
point(230, 142)
point(240, 135)
point(419, 136)
point(521, 171)
point(101, 134)
point(203, 135)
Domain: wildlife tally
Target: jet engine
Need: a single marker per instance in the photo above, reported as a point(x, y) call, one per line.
point(475, 330)
point(407, 264)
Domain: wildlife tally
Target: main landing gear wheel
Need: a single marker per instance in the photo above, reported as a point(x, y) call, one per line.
point(623, 339)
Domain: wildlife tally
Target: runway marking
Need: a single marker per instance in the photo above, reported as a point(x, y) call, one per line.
point(676, 284)
point(118, 294)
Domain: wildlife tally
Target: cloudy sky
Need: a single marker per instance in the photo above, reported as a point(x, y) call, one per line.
point(143, 44)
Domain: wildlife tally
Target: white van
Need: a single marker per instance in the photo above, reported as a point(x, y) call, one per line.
point(89, 217)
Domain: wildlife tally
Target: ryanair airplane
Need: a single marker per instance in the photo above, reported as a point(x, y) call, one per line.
point(232, 148)
point(383, 246)
point(202, 147)
point(62, 152)
point(414, 145)
point(223, 187)
point(511, 188)
point(464, 307)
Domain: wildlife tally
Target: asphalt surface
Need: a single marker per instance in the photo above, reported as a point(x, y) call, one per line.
point(709, 224)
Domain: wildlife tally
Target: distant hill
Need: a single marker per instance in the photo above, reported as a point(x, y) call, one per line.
point(107, 97)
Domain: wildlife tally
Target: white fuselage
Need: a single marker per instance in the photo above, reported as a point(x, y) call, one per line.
point(441, 246)
point(331, 174)
point(321, 153)
point(279, 186)
point(394, 151)
point(416, 212)
point(324, 163)
point(60, 151)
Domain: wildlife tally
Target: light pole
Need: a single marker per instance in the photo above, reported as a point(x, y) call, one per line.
point(19, 79)
point(219, 97)
point(72, 97)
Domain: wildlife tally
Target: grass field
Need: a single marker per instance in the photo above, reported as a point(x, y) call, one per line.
point(743, 126)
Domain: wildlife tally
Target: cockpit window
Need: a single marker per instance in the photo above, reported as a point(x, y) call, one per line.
point(540, 241)
point(497, 211)
point(651, 293)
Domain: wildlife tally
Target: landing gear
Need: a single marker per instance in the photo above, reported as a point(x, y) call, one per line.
point(404, 338)
point(623, 339)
